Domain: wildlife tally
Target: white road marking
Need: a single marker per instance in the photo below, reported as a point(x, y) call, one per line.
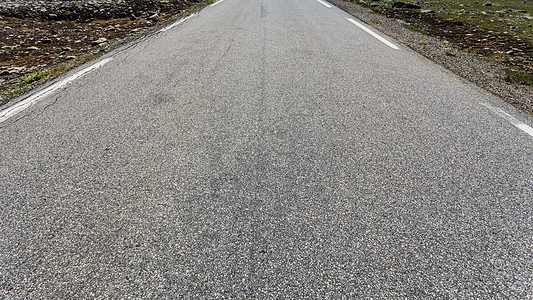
point(324, 3)
point(177, 23)
point(216, 3)
point(28, 102)
point(372, 33)
point(525, 128)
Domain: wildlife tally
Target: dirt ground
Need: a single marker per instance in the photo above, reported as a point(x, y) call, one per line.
point(473, 39)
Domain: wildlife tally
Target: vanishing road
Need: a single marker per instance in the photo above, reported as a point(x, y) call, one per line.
point(265, 149)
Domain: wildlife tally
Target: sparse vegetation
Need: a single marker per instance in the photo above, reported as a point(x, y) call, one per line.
point(450, 53)
point(416, 29)
point(519, 77)
point(32, 78)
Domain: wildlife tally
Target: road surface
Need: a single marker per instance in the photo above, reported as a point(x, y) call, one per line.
point(265, 149)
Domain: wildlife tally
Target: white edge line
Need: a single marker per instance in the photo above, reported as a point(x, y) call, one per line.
point(525, 128)
point(28, 102)
point(177, 23)
point(324, 3)
point(216, 3)
point(372, 33)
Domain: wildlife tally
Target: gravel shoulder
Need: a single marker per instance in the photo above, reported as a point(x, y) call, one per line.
point(471, 66)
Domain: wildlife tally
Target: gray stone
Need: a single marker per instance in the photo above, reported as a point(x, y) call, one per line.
point(99, 41)
point(488, 3)
point(154, 17)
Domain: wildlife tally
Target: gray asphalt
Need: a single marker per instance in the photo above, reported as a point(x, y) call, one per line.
point(266, 149)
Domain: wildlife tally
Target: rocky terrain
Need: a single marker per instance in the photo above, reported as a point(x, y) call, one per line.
point(42, 39)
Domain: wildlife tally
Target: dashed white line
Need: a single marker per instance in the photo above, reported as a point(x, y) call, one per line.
point(372, 33)
point(28, 102)
point(177, 23)
point(525, 128)
point(216, 3)
point(324, 3)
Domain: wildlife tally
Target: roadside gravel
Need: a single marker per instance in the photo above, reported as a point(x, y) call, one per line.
point(485, 74)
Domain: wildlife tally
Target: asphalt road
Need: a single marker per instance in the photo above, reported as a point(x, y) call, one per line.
point(266, 149)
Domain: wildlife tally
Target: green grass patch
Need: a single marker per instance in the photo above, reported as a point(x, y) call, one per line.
point(32, 77)
point(416, 29)
point(519, 77)
point(450, 53)
point(375, 9)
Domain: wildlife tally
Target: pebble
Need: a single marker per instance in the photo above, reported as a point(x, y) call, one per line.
point(154, 17)
point(99, 41)
point(16, 70)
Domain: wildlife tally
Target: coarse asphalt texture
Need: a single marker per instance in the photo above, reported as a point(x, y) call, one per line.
point(266, 149)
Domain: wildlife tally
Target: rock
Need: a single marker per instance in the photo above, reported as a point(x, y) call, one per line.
point(33, 48)
point(70, 57)
point(7, 28)
point(52, 16)
point(16, 70)
point(154, 17)
point(374, 5)
point(488, 3)
point(99, 41)
point(133, 17)
point(401, 4)
point(427, 11)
